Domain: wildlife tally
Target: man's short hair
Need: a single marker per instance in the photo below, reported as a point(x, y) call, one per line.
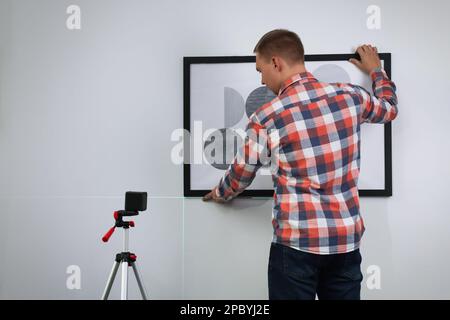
point(283, 43)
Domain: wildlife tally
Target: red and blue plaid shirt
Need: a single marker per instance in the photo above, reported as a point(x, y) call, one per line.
point(314, 127)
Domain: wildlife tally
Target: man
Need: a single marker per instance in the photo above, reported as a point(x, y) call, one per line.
point(315, 126)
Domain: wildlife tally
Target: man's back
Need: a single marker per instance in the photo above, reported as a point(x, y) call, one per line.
point(313, 132)
point(315, 129)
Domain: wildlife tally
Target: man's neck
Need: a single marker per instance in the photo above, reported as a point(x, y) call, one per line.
point(295, 70)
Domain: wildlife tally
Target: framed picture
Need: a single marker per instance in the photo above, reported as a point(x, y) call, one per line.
point(220, 93)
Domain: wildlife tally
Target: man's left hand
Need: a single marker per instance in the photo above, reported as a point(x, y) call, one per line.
point(213, 196)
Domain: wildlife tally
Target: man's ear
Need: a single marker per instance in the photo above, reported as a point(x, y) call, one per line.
point(276, 62)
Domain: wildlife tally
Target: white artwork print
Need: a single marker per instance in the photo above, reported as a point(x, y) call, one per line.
point(223, 95)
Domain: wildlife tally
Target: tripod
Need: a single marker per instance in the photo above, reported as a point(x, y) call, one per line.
point(125, 258)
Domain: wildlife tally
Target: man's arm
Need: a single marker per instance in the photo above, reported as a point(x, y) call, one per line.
point(382, 106)
point(249, 159)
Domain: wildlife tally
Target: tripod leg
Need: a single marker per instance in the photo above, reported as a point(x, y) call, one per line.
point(110, 280)
point(139, 280)
point(124, 290)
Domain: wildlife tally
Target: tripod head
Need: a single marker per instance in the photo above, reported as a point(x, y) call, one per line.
point(134, 202)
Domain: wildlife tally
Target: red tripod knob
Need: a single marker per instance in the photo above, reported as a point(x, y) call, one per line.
point(119, 223)
point(108, 234)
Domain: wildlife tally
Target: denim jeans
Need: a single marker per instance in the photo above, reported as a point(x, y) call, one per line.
point(295, 274)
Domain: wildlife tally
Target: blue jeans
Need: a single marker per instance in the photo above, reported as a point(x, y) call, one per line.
point(295, 274)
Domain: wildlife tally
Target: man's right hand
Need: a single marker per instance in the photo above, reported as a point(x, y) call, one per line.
point(369, 59)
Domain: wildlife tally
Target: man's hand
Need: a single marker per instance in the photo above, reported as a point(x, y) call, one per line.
point(213, 196)
point(370, 59)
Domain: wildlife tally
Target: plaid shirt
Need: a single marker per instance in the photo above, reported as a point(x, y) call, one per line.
point(314, 128)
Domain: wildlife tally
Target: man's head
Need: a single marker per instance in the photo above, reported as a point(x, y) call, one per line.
point(279, 55)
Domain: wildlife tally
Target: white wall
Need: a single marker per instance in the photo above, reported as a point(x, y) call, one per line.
point(86, 115)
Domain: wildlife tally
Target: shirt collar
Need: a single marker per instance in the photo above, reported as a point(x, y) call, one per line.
point(301, 77)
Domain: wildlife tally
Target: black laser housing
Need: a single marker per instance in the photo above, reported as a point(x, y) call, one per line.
point(135, 201)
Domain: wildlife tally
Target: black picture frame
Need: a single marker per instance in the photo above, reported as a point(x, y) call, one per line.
point(255, 193)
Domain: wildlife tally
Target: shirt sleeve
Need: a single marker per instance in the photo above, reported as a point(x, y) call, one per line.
point(381, 107)
point(253, 153)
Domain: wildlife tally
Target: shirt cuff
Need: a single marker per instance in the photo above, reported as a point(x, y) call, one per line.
point(222, 193)
point(377, 74)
